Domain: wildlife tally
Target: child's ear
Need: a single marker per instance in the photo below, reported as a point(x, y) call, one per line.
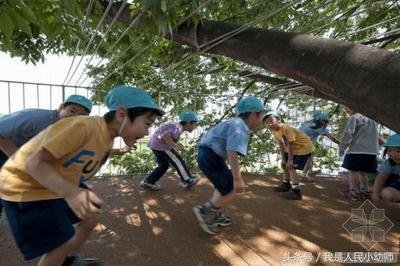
point(120, 114)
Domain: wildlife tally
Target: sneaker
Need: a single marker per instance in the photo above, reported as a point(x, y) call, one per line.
point(223, 220)
point(149, 186)
point(80, 261)
point(207, 218)
point(351, 195)
point(191, 182)
point(292, 194)
point(283, 187)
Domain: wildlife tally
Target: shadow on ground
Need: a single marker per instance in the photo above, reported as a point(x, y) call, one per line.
point(158, 228)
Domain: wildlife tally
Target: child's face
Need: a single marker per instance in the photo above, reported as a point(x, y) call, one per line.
point(72, 110)
point(137, 129)
point(189, 127)
point(394, 154)
point(256, 121)
point(272, 122)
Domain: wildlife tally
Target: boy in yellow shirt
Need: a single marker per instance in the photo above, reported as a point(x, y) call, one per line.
point(39, 183)
point(295, 147)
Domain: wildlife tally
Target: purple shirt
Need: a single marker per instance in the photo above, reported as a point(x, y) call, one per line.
point(174, 130)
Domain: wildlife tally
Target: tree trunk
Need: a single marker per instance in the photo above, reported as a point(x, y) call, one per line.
point(364, 78)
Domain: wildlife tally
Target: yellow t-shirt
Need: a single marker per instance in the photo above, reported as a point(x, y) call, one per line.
point(80, 144)
point(301, 143)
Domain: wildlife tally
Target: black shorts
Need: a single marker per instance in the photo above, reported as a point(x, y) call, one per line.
point(393, 181)
point(359, 162)
point(299, 161)
point(215, 169)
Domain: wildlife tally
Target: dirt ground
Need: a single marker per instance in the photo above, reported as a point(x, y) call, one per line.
point(158, 228)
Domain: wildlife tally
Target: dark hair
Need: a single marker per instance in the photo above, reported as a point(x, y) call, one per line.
point(318, 124)
point(76, 104)
point(277, 117)
point(391, 162)
point(133, 113)
point(244, 115)
point(184, 123)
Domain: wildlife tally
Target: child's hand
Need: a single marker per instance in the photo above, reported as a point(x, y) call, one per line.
point(84, 203)
point(289, 164)
point(239, 186)
point(180, 147)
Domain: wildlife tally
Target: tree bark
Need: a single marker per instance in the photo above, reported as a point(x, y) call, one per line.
point(362, 77)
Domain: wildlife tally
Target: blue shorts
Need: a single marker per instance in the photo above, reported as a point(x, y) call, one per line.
point(299, 161)
point(393, 181)
point(39, 227)
point(360, 162)
point(215, 169)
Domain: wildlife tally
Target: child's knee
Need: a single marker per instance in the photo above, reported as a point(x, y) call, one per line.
point(90, 224)
point(388, 194)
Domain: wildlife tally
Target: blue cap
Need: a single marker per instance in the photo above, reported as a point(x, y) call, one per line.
point(81, 100)
point(249, 104)
point(272, 112)
point(320, 116)
point(130, 97)
point(188, 116)
point(393, 141)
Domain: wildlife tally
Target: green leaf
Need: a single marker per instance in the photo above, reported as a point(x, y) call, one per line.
point(68, 6)
point(6, 25)
point(20, 22)
point(164, 6)
point(27, 13)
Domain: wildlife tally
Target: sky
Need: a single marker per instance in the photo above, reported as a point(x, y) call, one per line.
point(52, 71)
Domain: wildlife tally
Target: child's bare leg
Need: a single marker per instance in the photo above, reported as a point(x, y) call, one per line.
point(220, 201)
point(391, 194)
point(294, 176)
point(353, 180)
point(363, 178)
point(72, 246)
point(309, 165)
point(286, 175)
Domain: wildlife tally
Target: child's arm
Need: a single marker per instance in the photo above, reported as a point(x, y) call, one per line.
point(347, 136)
point(233, 161)
point(171, 143)
point(333, 138)
point(378, 186)
point(81, 201)
point(289, 163)
point(8, 146)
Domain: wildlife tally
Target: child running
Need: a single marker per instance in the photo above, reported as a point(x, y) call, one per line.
point(226, 141)
point(360, 146)
point(387, 182)
point(313, 130)
point(296, 148)
point(19, 127)
point(39, 184)
point(165, 146)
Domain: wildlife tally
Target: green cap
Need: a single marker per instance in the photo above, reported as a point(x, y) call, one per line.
point(249, 104)
point(129, 97)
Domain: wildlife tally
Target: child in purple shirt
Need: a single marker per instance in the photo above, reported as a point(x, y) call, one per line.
point(165, 146)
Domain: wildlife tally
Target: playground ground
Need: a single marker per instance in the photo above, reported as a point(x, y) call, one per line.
point(158, 228)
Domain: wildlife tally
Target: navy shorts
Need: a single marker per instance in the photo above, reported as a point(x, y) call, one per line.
point(215, 169)
point(360, 162)
point(299, 161)
point(393, 181)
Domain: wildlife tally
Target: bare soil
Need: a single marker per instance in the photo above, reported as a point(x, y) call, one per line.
point(158, 228)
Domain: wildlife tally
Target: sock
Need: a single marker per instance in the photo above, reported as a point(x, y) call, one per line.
point(296, 187)
point(211, 206)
